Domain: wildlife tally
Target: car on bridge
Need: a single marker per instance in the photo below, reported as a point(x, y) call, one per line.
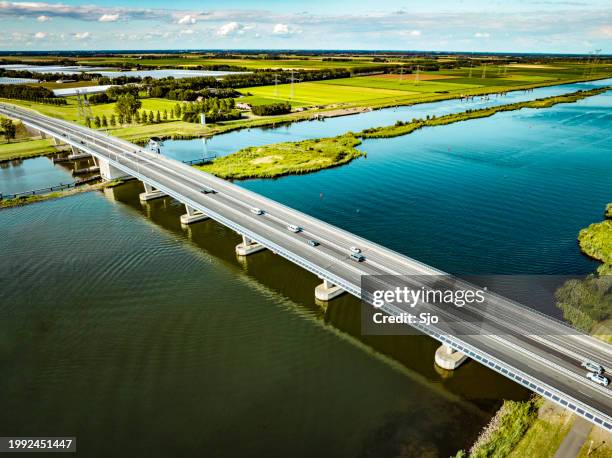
point(354, 249)
point(206, 190)
point(593, 367)
point(257, 211)
point(293, 228)
point(312, 242)
point(597, 378)
point(357, 257)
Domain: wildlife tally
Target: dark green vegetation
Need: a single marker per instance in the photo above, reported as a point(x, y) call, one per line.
point(505, 430)
point(28, 92)
point(9, 130)
point(587, 303)
point(214, 109)
point(286, 158)
point(272, 109)
point(403, 128)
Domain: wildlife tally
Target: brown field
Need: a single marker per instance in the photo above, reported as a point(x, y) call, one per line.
point(412, 77)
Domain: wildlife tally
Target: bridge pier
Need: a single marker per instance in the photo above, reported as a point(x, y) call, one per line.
point(327, 291)
point(192, 216)
point(248, 247)
point(108, 172)
point(150, 193)
point(76, 154)
point(448, 358)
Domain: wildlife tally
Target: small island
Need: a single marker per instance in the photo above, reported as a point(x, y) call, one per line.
point(289, 158)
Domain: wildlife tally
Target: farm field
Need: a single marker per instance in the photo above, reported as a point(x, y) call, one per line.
point(397, 84)
point(384, 89)
point(193, 61)
point(321, 93)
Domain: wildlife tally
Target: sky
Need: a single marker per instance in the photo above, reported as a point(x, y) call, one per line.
point(545, 26)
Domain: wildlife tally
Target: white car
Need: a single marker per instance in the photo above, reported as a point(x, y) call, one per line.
point(294, 228)
point(354, 249)
point(257, 211)
point(593, 367)
point(597, 378)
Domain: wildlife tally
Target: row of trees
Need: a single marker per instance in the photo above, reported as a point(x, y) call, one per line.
point(272, 109)
point(139, 117)
point(31, 93)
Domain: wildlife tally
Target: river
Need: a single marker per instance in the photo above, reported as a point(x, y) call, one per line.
point(142, 338)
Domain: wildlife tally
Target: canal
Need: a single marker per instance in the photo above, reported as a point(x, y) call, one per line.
point(132, 333)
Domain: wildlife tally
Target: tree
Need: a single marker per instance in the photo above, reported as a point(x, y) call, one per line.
point(104, 121)
point(177, 111)
point(121, 119)
point(8, 129)
point(113, 120)
point(137, 117)
point(165, 115)
point(88, 122)
point(97, 122)
point(127, 104)
point(128, 119)
point(157, 117)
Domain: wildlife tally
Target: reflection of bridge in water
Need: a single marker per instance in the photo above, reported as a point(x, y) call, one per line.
point(545, 358)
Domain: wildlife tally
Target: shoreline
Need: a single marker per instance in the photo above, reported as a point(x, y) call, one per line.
point(396, 130)
point(370, 133)
point(37, 198)
point(331, 111)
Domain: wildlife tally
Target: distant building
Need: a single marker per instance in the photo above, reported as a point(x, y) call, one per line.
point(243, 106)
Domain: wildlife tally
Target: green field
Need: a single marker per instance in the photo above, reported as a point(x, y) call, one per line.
point(194, 61)
point(69, 112)
point(321, 93)
point(379, 82)
point(25, 149)
point(380, 90)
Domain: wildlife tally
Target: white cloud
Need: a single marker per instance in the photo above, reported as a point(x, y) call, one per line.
point(280, 29)
point(109, 18)
point(187, 19)
point(482, 35)
point(40, 35)
point(186, 32)
point(232, 28)
point(82, 35)
point(43, 18)
point(415, 33)
point(283, 30)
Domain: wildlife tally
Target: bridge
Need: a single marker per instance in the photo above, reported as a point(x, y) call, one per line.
point(536, 351)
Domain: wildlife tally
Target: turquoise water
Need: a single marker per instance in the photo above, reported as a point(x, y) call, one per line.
point(29, 174)
point(500, 195)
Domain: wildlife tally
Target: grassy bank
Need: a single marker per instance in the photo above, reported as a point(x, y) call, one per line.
point(25, 149)
point(587, 303)
point(505, 430)
point(286, 158)
point(27, 200)
point(403, 128)
point(596, 242)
